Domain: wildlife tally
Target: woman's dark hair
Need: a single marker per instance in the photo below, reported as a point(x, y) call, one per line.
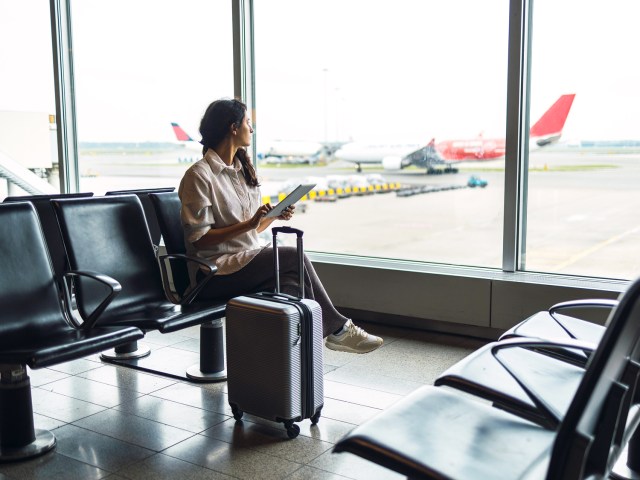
point(214, 127)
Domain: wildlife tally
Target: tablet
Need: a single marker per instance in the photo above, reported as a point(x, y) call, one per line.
point(297, 193)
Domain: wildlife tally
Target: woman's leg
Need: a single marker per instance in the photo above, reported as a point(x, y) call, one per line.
point(350, 338)
point(288, 258)
point(258, 276)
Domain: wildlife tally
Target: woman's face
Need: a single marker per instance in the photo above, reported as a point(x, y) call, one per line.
point(244, 131)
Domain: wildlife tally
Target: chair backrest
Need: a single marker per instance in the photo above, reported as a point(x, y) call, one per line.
point(109, 235)
point(595, 411)
point(29, 295)
point(167, 208)
point(149, 213)
point(49, 223)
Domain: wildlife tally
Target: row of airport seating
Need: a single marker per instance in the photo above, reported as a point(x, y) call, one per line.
point(81, 275)
point(554, 398)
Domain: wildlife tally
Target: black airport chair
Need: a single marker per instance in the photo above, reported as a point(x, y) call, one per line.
point(110, 235)
point(557, 372)
point(211, 367)
point(143, 195)
point(35, 330)
point(440, 433)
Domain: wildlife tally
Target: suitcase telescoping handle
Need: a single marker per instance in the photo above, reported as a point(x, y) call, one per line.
point(276, 262)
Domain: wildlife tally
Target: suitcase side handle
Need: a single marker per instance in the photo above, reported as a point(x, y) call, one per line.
point(276, 261)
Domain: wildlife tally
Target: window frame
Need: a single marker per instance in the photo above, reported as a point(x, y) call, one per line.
point(517, 124)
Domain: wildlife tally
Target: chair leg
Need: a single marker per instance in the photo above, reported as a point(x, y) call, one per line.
point(19, 439)
point(127, 351)
point(211, 367)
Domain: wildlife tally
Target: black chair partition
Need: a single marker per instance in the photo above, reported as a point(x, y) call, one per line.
point(143, 195)
point(439, 433)
point(110, 235)
point(35, 330)
point(167, 207)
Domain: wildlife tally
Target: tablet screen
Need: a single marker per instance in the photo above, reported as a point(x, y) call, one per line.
point(299, 192)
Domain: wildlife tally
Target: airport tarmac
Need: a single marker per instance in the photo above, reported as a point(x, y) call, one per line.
point(582, 216)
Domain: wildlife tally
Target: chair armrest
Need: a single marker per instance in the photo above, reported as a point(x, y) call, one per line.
point(188, 298)
point(110, 282)
point(585, 303)
point(533, 343)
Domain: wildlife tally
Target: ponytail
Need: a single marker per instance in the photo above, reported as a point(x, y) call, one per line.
point(247, 168)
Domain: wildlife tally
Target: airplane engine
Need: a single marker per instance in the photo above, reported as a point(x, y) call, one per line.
point(392, 163)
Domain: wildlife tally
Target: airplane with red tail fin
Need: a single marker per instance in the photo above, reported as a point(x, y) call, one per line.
point(545, 131)
point(185, 139)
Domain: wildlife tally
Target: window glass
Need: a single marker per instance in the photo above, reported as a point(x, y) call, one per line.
point(583, 200)
point(139, 68)
point(28, 152)
point(382, 86)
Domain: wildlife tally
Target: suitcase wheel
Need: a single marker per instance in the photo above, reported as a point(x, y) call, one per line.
point(316, 418)
point(237, 413)
point(293, 430)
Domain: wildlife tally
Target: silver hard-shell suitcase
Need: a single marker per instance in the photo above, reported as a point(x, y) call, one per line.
point(274, 352)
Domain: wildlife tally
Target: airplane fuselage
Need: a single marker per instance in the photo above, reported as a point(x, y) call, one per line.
point(364, 153)
point(476, 149)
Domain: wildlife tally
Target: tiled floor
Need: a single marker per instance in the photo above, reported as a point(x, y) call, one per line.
point(118, 423)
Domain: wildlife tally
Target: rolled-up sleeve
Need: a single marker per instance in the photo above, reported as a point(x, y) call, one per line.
point(196, 212)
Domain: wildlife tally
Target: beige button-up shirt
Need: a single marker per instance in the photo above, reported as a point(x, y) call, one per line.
point(215, 195)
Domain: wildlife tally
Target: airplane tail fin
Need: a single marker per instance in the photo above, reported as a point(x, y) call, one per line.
point(181, 135)
point(549, 127)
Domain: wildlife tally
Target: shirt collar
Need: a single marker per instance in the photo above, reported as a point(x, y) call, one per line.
point(216, 163)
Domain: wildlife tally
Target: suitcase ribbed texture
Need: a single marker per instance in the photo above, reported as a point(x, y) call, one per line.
point(264, 358)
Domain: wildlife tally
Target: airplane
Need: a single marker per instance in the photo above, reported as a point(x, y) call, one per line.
point(545, 131)
point(185, 139)
point(279, 151)
point(290, 151)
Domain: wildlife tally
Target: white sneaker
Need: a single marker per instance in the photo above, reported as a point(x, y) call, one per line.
point(353, 339)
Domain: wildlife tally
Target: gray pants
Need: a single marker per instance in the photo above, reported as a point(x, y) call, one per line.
point(257, 276)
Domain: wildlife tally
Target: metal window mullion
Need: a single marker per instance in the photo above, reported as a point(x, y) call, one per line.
point(517, 151)
point(65, 95)
point(243, 57)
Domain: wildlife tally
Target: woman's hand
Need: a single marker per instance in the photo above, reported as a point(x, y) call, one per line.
point(254, 222)
point(287, 213)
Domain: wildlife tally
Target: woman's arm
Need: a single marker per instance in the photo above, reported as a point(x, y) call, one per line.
point(218, 235)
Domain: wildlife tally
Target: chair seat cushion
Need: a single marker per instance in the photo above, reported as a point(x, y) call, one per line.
point(433, 433)
point(480, 373)
point(63, 344)
point(165, 317)
point(543, 325)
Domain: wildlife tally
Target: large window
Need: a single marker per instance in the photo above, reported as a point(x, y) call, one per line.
point(583, 199)
point(358, 97)
point(347, 85)
point(139, 67)
point(28, 155)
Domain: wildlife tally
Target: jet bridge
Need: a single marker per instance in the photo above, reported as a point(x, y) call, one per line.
point(23, 177)
point(27, 145)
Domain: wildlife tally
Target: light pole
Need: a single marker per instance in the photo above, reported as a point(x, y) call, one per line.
point(325, 72)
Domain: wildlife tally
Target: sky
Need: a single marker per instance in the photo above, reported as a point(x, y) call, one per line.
point(329, 70)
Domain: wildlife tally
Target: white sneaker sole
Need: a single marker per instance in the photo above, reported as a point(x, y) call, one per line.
point(347, 349)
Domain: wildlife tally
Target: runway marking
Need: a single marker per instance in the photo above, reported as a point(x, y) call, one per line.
point(595, 248)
